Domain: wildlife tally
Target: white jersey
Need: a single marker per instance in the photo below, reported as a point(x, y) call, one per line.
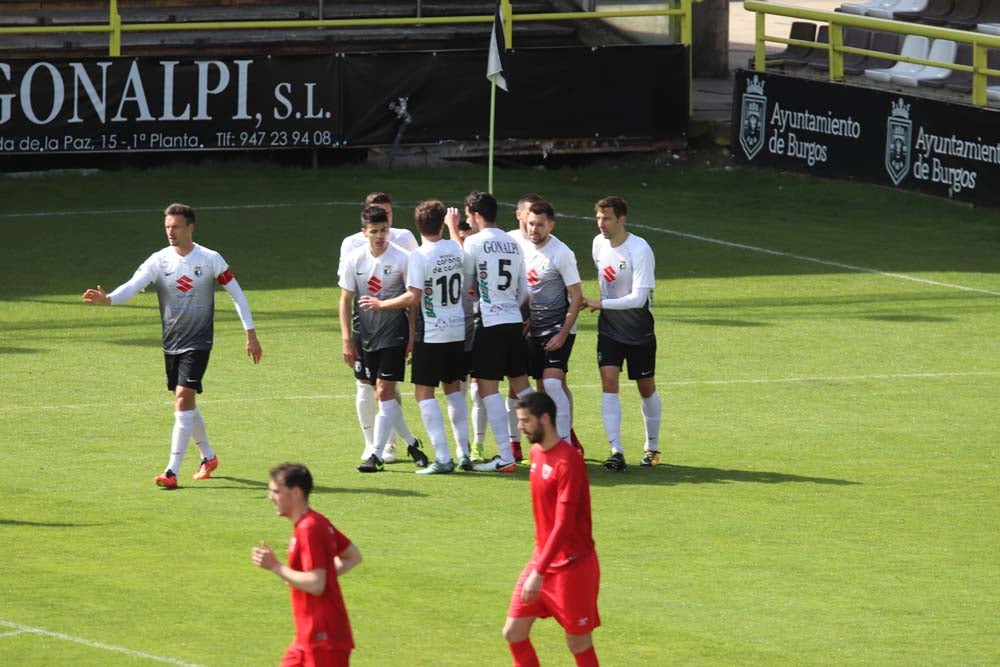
point(185, 288)
point(402, 237)
point(521, 239)
point(495, 263)
point(549, 271)
point(620, 270)
point(383, 277)
point(436, 269)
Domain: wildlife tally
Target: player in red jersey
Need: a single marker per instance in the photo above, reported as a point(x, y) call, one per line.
point(563, 577)
point(317, 556)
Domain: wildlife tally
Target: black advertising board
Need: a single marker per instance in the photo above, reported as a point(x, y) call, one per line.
point(868, 134)
point(121, 105)
point(159, 104)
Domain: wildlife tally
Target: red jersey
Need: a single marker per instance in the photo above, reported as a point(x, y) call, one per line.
point(319, 619)
point(560, 500)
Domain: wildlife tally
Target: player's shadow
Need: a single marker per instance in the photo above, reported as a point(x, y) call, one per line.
point(257, 484)
point(670, 475)
point(47, 524)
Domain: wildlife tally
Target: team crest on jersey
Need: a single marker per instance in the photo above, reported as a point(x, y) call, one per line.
point(621, 265)
point(386, 270)
point(546, 471)
point(197, 271)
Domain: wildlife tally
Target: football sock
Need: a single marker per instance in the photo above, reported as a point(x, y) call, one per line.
point(458, 414)
point(387, 411)
point(554, 388)
point(366, 406)
point(200, 435)
point(611, 415)
point(586, 658)
point(496, 411)
point(515, 433)
point(180, 438)
point(401, 429)
point(652, 411)
point(524, 653)
point(478, 414)
point(430, 411)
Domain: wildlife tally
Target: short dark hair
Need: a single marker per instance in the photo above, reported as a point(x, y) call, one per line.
point(373, 215)
point(543, 208)
point(529, 198)
point(617, 204)
point(429, 217)
point(182, 210)
point(539, 403)
point(292, 475)
point(378, 198)
point(482, 203)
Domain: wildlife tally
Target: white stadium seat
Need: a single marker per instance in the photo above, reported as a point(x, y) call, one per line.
point(863, 7)
point(901, 6)
point(942, 51)
point(914, 46)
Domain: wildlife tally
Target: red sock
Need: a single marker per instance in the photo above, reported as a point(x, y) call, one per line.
point(586, 658)
point(524, 654)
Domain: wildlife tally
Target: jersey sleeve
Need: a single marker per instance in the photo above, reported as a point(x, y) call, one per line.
point(645, 267)
point(143, 276)
point(416, 271)
point(313, 548)
point(345, 279)
point(567, 267)
point(407, 241)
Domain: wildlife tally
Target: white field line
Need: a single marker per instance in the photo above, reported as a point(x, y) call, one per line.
point(667, 383)
point(661, 230)
point(19, 629)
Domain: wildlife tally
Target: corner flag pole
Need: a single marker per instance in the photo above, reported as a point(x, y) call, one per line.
point(499, 39)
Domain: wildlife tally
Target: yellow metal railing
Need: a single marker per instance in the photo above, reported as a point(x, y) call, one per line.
point(837, 21)
point(115, 27)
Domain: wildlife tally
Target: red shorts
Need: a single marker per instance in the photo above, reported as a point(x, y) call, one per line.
point(298, 655)
point(569, 595)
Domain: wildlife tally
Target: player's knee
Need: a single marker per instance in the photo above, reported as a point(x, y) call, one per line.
point(513, 632)
point(579, 643)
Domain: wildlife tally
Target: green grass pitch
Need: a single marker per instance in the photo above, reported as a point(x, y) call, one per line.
point(829, 362)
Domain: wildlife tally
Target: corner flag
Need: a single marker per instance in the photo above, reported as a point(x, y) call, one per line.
point(494, 66)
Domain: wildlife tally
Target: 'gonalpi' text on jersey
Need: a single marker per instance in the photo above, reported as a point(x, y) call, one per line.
point(495, 264)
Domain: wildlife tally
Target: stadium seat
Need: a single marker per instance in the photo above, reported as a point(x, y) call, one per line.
point(989, 12)
point(883, 42)
point(809, 55)
point(935, 10)
point(964, 11)
point(961, 82)
point(901, 6)
point(863, 7)
point(859, 38)
point(989, 28)
point(963, 56)
point(942, 51)
point(794, 54)
point(914, 46)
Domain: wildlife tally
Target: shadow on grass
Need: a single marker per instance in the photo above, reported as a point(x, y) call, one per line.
point(669, 475)
point(721, 323)
point(908, 318)
point(20, 350)
point(47, 524)
point(257, 484)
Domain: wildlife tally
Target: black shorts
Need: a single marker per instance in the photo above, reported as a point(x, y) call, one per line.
point(186, 369)
point(434, 363)
point(388, 364)
point(499, 351)
point(539, 359)
point(641, 358)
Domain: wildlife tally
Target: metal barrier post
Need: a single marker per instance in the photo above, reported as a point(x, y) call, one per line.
point(979, 64)
point(115, 23)
point(836, 52)
point(759, 50)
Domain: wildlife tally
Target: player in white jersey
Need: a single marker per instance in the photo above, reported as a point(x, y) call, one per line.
point(382, 339)
point(365, 403)
point(495, 263)
point(434, 283)
point(185, 274)
point(625, 329)
point(554, 300)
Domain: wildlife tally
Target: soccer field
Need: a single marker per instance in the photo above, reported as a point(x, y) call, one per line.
point(829, 363)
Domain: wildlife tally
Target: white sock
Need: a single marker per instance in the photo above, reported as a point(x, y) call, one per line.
point(611, 415)
point(200, 436)
point(399, 425)
point(384, 420)
point(478, 414)
point(652, 411)
point(366, 406)
point(430, 411)
point(554, 388)
point(407, 436)
point(515, 432)
point(179, 439)
point(496, 412)
point(458, 414)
